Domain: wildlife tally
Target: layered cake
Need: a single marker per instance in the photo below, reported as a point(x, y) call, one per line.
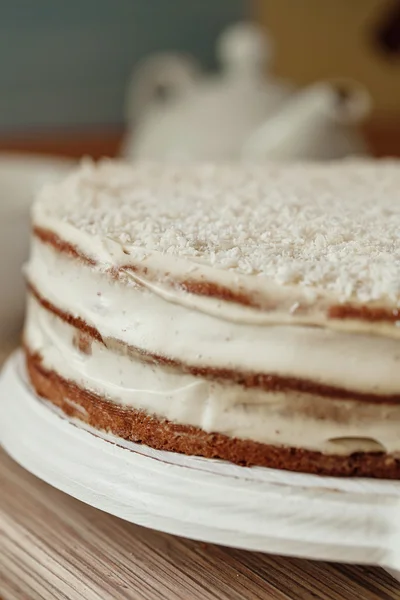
point(245, 313)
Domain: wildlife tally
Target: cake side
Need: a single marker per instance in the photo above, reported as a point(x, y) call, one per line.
point(240, 298)
point(351, 365)
point(278, 412)
point(140, 427)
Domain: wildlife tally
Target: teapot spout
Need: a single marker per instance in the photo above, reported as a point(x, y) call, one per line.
point(351, 102)
point(314, 124)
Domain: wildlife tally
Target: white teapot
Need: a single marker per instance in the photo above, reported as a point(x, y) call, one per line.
point(175, 113)
point(318, 123)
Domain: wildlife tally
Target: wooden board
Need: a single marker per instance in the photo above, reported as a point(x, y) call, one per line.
point(55, 547)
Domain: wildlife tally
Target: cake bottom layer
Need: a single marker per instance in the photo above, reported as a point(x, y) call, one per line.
point(139, 427)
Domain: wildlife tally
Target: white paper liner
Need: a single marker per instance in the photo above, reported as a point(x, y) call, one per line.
point(346, 520)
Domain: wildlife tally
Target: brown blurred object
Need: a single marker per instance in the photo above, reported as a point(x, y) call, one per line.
point(383, 136)
point(74, 144)
point(388, 32)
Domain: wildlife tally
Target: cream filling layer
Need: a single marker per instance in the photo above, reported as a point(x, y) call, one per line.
point(293, 419)
point(292, 305)
point(141, 318)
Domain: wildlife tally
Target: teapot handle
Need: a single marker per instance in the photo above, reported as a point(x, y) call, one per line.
point(158, 78)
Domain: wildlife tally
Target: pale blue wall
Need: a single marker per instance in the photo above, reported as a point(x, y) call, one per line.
point(66, 62)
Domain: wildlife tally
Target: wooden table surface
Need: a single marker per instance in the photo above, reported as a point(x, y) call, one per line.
point(55, 547)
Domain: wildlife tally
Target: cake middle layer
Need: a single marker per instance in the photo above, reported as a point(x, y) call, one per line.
point(307, 387)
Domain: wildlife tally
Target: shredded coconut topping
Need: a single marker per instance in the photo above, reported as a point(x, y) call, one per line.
point(330, 226)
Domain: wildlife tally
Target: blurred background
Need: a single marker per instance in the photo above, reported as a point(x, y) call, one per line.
point(187, 79)
point(65, 66)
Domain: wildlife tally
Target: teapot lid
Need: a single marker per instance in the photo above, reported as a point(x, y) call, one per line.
point(244, 47)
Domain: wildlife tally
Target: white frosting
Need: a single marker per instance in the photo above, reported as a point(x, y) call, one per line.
point(298, 420)
point(329, 228)
point(296, 239)
point(142, 319)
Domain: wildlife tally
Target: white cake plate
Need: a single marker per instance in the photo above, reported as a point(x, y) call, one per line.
point(345, 520)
